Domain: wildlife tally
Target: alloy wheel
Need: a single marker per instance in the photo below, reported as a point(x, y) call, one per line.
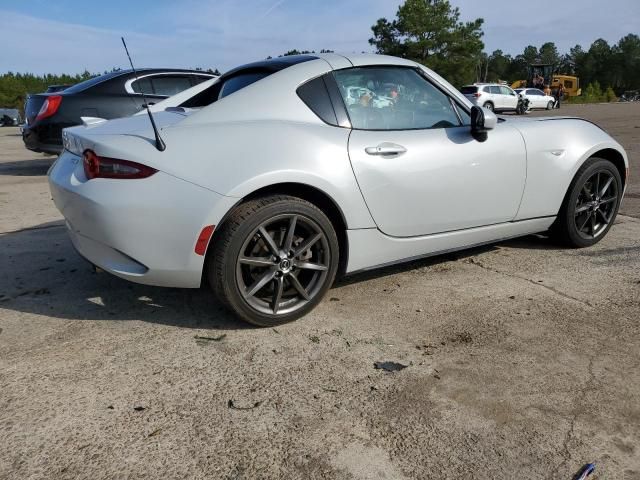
point(596, 204)
point(283, 264)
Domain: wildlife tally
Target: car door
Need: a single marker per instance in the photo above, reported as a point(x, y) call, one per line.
point(420, 169)
point(535, 97)
point(509, 98)
point(496, 97)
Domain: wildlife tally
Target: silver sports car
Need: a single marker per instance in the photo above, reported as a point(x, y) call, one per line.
point(280, 175)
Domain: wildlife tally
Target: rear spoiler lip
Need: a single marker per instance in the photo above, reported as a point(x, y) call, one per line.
point(89, 121)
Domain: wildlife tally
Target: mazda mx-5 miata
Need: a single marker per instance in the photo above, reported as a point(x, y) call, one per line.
point(272, 183)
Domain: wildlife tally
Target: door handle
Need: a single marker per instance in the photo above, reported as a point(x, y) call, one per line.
point(386, 149)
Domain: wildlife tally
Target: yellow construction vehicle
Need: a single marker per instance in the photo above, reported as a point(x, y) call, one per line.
point(541, 74)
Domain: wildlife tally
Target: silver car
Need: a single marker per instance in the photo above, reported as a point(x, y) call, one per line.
point(492, 96)
point(268, 182)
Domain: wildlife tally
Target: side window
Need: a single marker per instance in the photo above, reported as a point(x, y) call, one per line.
point(170, 84)
point(315, 95)
point(495, 90)
point(142, 86)
point(506, 91)
point(393, 98)
point(466, 118)
point(198, 79)
point(568, 84)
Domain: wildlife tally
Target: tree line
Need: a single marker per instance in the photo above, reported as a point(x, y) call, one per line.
point(14, 87)
point(430, 32)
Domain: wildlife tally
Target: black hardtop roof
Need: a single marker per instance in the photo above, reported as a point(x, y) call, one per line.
point(272, 64)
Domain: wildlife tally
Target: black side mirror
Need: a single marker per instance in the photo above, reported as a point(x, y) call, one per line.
point(482, 120)
point(477, 120)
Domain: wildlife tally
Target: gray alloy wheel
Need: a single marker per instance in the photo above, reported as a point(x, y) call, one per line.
point(283, 264)
point(273, 259)
point(488, 106)
point(550, 105)
point(596, 204)
point(591, 204)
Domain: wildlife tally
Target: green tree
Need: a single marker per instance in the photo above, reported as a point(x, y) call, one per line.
point(600, 63)
point(430, 32)
point(499, 66)
point(531, 55)
point(549, 54)
point(593, 92)
point(627, 61)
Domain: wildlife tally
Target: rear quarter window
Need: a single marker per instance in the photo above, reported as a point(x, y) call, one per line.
point(315, 95)
point(143, 86)
point(168, 85)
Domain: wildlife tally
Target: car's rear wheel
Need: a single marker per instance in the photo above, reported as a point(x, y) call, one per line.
point(488, 106)
point(550, 105)
point(591, 204)
point(273, 259)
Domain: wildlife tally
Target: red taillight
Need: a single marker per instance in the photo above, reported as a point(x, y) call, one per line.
point(477, 95)
point(203, 239)
point(102, 167)
point(49, 107)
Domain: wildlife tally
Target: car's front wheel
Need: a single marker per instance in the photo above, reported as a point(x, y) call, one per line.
point(591, 204)
point(273, 259)
point(550, 105)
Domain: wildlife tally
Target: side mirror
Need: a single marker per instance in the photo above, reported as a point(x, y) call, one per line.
point(482, 120)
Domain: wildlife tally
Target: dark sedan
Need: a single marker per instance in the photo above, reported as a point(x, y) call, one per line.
point(9, 117)
point(113, 95)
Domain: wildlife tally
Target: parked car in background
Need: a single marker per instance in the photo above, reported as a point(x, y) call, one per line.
point(56, 88)
point(113, 95)
point(492, 96)
point(273, 182)
point(9, 117)
point(537, 98)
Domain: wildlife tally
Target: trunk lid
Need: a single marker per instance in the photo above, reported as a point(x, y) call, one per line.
point(138, 125)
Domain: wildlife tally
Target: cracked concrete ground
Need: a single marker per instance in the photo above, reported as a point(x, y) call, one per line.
point(523, 361)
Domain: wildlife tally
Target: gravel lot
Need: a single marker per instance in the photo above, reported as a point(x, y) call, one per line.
point(523, 360)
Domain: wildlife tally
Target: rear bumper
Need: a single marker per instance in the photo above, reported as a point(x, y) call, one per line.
point(140, 230)
point(42, 138)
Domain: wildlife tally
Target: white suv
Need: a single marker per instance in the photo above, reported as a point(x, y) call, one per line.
point(492, 96)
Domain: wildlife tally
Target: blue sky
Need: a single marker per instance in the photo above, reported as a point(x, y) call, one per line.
point(70, 35)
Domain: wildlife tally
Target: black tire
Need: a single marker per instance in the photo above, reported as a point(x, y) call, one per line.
point(550, 105)
point(488, 106)
point(581, 205)
point(240, 239)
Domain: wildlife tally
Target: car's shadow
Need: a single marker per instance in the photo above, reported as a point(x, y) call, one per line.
point(27, 168)
point(40, 273)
